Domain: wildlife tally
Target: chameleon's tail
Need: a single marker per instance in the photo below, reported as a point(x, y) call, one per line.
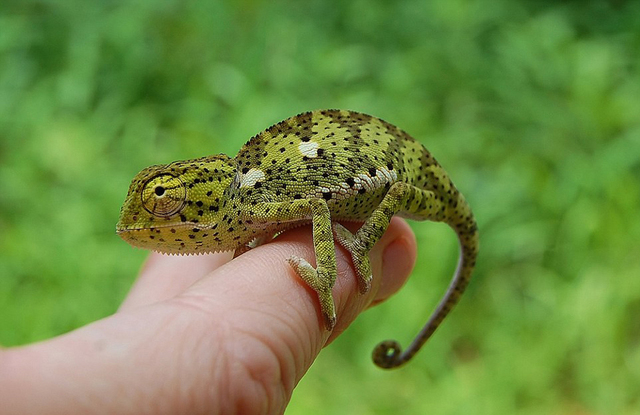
point(388, 354)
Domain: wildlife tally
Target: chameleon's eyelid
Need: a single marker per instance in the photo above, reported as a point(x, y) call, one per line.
point(165, 187)
point(170, 202)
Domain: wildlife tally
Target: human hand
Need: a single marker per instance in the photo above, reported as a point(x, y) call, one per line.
point(201, 334)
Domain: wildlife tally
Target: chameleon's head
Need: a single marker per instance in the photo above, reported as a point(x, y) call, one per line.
point(170, 207)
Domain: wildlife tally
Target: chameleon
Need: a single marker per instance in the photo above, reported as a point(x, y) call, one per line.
point(321, 167)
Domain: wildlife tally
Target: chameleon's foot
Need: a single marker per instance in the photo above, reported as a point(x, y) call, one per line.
point(256, 242)
point(241, 250)
point(388, 354)
point(359, 255)
point(321, 282)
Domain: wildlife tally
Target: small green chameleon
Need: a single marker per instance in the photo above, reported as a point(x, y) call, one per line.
point(318, 167)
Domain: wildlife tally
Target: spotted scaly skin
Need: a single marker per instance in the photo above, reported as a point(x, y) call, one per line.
point(318, 167)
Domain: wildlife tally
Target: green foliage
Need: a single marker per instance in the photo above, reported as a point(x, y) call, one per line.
point(532, 106)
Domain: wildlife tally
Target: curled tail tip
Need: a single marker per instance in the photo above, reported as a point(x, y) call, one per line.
point(388, 355)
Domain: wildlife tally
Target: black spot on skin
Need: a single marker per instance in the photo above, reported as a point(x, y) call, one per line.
point(245, 170)
point(213, 208)
point(372, 171)
point(326, 195)
point(305, 139)
point(257, 185)
point(350, 182)
point(320, 152)
point(362, 190)
point(183, 218)
point(199, 203)
point(195, 230)
point(298, 196)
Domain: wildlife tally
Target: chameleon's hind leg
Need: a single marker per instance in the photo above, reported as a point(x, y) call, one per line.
point(322, 278)
point(359, 255)
point(401, 197)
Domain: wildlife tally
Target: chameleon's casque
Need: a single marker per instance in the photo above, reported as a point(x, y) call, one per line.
point(319, 167)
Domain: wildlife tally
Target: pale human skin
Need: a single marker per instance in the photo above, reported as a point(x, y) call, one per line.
point(201, 334)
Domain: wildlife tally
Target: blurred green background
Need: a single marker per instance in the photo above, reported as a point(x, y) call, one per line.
point(532, 106)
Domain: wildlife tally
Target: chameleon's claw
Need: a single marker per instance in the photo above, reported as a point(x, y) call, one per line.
point(329, 321)
point(241, 250)
point(319, 280)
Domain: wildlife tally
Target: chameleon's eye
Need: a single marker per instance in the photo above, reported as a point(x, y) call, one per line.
point(164, 195)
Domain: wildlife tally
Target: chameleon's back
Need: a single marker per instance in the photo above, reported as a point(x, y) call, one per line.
point(348, 158)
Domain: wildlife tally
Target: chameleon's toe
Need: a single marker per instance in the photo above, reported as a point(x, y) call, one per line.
point(359, 255)
point(321, 282)
point(241, 250)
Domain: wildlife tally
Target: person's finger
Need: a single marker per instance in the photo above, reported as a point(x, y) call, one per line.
point(165, 276)
point(262, 298)
point(394, 260)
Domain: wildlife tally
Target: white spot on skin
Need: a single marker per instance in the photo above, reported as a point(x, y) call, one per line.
point(309, 149)
point(251, 177)
point(362, 181)
point(389, 175)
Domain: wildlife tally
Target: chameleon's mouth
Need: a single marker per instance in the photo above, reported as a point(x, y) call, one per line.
point(161, 239)
point(131, 229)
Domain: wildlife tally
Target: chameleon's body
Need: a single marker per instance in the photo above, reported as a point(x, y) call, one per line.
point(319, 167)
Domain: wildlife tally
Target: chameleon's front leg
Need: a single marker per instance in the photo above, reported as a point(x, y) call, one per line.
point(322, 278)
